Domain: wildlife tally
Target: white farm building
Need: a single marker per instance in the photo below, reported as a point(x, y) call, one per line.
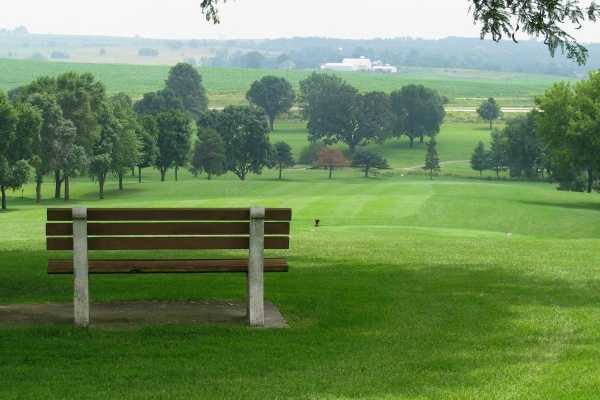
point(359, 64)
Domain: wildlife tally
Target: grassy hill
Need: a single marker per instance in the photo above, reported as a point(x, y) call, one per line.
point(228, 86)
point(410, 289)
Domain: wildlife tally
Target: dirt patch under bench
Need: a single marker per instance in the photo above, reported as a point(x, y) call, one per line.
point(139, 314)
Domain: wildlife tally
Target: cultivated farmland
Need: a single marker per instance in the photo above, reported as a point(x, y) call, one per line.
point(228, 86)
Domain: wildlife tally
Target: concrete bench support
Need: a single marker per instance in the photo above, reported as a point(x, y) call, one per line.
point(255, 292)
point(81, 299)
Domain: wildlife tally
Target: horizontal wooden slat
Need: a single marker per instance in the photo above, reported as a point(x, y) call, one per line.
point(169, 214)
point(167, 243)
point(166, 228)
point(165, 266)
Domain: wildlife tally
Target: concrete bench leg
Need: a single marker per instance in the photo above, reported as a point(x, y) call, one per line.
point(255, 291)
point(81, 300)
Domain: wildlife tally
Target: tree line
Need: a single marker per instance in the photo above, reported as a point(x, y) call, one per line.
point(67, 126)
point(560, 140)
point(338, 112)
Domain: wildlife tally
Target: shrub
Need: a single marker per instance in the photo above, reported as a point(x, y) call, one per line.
point(310, 154)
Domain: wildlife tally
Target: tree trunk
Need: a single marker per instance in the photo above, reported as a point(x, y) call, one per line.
point(330, 172)
point(139, 174)
point(57, 184)
point(412, 141)
point(163, 172)
point(3, 190)
point(132, 171)
point(67, 189)
point(101, 184)
point(271, 123)
point(366, 172)
point(481, 173)
point(491, 122)
point(590, 180)
point(431, 174)
point(38, 188)
point(120, 175)
point(497, 173)
point(176, 172)
point(209, 176)
point(421, 139)
point(280, 169)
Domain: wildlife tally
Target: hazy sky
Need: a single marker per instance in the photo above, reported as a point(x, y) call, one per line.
point(250, 18)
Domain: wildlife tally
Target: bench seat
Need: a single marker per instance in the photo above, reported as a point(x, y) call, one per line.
point(164, 266)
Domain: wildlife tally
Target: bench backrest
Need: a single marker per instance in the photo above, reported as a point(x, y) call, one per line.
point(168, 228)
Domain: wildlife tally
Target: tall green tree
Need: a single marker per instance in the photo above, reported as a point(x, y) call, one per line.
point(373, 119)
point(125, 152)
point(569, 124)
point(101, 158)
point(489, 110)
point(418, 112)
point(497, 155)
point(273, 94)
point(147, 134)
point(27, 131)
point(153, 103)
point(524, 148)
point(12, 176)
point(209, 153)
point(46, 159)
point(283, 157)
point(70, 158)
point(19, 132)
point(245, 133)
point(174, 141)
point(80, 97)
point(479, 158)
point(432, 160)
point(8, 125)
point(186, 83)
point(336, 112)
point(326, 102)
point(368, 160)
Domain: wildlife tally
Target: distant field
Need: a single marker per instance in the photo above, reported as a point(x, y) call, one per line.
point(227, 86)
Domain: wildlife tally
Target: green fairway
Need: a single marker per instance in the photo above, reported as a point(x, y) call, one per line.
point(227, 86)
point(456, 142)
point(411, 289)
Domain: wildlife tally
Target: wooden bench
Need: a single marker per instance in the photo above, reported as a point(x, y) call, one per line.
point(110, 229)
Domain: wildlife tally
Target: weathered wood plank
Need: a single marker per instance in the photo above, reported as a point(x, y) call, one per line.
point(166, 266)
point(166, 228)
point(168, 243)
point(169, 214)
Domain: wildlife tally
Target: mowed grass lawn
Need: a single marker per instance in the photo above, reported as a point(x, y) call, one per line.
point(456, 142)
point(410, 289)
